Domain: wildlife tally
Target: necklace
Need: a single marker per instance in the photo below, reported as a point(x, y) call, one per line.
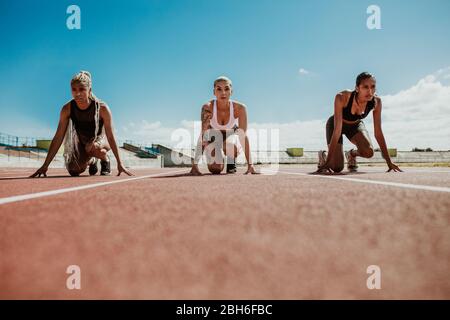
point(359, 109)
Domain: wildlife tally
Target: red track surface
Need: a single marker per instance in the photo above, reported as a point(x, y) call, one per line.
point(283, 236)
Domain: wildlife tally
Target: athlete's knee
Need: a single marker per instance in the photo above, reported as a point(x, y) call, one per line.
point(366, 152)
point(98, 153)
point(74, 173)
point(75, 169)
point(338, 168)
point(215, 168)
point(102, 154)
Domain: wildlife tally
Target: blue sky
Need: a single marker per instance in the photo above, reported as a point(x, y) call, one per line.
point(156, 60)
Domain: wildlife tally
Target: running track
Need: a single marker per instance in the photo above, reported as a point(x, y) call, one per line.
point(289, 235)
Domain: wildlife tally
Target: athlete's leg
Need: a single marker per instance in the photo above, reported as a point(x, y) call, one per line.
point(337, 160)
point(78, 161)
point(213, 150)
point(98, 149)
point(361, 140)
point(216, 166)
point(232, 148)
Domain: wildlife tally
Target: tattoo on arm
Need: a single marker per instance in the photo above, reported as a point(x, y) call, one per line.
point(206, 116)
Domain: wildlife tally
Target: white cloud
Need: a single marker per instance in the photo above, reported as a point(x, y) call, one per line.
point(145, 132)
point(309, 135)
point(419, 116)
point(303, 71)
point(415, 117)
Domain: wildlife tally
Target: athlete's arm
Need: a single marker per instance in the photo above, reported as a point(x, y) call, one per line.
point(243, 138)
point(56, 141)
point(105, 115)
point(339, 101)
point(205, 117)
point(379, 136)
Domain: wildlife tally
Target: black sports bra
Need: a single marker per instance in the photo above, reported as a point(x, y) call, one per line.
point(347, 111)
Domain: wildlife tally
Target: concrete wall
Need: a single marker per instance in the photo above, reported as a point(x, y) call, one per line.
point(174, 158)
point(311, 157)
point(128, 158)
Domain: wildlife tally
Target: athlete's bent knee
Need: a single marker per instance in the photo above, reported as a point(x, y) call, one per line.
point(337, 169)
point(75, 169)
point(215, 168)
point(366, 153)
point(74, 173)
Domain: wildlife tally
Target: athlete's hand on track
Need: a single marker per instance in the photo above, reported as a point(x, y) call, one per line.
point(121, 169)
point(393, 167)
point(251, 170)
point(323, 169)
point(41, 171)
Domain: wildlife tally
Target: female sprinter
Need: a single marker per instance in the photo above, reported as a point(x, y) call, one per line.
point(224, 126)
point(83, 123)
point(350, 107)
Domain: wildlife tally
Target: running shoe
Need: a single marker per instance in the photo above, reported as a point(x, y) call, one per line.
point(105, 168)
point(351, 161)
point(93, 169)
point(231, 166)
point(322, 158)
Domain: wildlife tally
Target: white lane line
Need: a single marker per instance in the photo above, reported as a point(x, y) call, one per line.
point(13, 177)
point(89, 186)
point(427, 171)
point(20, 170)
point(385, 183)
point(26, 175)
point(413, 170)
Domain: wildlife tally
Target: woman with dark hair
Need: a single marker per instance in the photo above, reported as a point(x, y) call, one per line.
point(350, 108)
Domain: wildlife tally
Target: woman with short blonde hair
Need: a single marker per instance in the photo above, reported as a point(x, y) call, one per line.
point(224, 127)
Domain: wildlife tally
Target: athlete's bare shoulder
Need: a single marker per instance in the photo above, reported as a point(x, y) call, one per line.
point(239, 108)
point(104, 111)
point(206, 114)
point(345, 93)
point(342, 97)
point(65, 110)
point(103, 106)
point(208, 106)
point(377, 100)
point(239, 104)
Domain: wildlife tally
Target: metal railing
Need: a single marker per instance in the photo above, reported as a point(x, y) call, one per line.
point(16, 141)
point(21, 147)
point(140, 144)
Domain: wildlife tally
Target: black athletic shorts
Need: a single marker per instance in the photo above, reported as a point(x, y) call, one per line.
point(348, 129)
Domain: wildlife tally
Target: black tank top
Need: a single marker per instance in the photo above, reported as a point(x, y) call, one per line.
point(84, 121)
point(347, 111)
